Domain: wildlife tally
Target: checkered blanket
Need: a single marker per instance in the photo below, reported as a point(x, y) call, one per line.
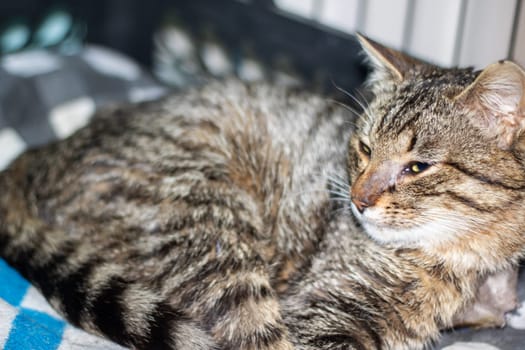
point(45, 96)
point(28, 322)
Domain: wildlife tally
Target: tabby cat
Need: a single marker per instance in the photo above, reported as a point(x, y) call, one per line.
point(223, 217)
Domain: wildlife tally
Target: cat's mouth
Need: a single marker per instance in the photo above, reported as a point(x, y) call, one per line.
point(412, 233)
point(374, 228)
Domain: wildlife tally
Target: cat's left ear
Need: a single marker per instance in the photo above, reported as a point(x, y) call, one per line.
point(388, 63)
point(496, 100)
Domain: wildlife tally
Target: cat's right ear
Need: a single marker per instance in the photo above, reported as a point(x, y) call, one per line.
point(388, 63)
point(497, 100)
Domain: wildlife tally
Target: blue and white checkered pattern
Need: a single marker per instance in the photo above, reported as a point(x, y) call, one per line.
point(27, 321)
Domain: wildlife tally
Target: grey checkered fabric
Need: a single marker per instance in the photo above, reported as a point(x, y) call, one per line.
point(45, 96)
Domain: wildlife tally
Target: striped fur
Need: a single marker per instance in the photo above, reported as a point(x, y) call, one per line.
point(220, 218)
point(167, 225)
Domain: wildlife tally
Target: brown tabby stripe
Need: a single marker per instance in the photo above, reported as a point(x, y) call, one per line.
point(210, 268)
point(162, 327)
point(469, 202)
point(108, 314)
point(372, 275)
point(232, 298)
point(413, 142)
point(366, 322)
point(482, 178)
point(407, 123)
point(461, 199)
point(269, 335)
point(337, 341)
point(72, 288)
point(389, 118)
point(364, 325)
point(191, 148)
point(390, 312)
point(110, 317)
point(384, 122)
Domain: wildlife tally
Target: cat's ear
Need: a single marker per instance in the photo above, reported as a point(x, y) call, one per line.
point(388, 63)
point(496, 100)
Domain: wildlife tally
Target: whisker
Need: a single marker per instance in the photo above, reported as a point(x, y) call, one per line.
point(338, 184)
point(338, 179)
point(340, 187)
point(347, 200)
point(355, 99)
point(344, 209)
point(363, 98)
point(339, 176)
point(347, 107)
point(340, 195)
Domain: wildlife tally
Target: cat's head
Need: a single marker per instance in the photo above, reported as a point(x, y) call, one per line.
point(439, 154)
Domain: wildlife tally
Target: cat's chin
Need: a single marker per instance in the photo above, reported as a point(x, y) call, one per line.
point(425, 235)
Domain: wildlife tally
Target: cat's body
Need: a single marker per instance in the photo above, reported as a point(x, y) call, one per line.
point(219, 218)
point(199, 194)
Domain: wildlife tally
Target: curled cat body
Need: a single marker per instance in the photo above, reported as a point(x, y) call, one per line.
point(261, 217)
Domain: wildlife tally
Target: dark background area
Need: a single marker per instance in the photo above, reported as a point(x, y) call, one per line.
point(318, 53)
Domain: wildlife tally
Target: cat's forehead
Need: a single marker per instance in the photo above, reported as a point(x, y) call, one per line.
point(421, 106)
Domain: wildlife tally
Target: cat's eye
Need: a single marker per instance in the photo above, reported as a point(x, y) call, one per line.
point(364, 148)
point(416, 167)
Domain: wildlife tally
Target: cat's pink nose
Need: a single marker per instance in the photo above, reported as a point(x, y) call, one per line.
point(360, 204)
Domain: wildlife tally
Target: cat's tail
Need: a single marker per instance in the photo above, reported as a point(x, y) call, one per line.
point(89, 292)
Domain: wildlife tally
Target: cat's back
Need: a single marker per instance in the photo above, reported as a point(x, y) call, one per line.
point(250, 158)
point(202, 206)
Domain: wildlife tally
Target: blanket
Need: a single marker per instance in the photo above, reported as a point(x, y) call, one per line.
point(27, 321)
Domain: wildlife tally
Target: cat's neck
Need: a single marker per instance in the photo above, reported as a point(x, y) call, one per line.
point(466, 254)
point(418, 287)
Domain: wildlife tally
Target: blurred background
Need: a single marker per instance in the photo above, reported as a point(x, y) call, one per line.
point(303, 34)
point(447, 32)
point(70, 57)
point(61, 60)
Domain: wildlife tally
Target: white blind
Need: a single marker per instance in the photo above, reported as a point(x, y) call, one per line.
point(446, 32)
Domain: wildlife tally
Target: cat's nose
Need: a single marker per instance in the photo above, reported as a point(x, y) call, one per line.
point(360, 204)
